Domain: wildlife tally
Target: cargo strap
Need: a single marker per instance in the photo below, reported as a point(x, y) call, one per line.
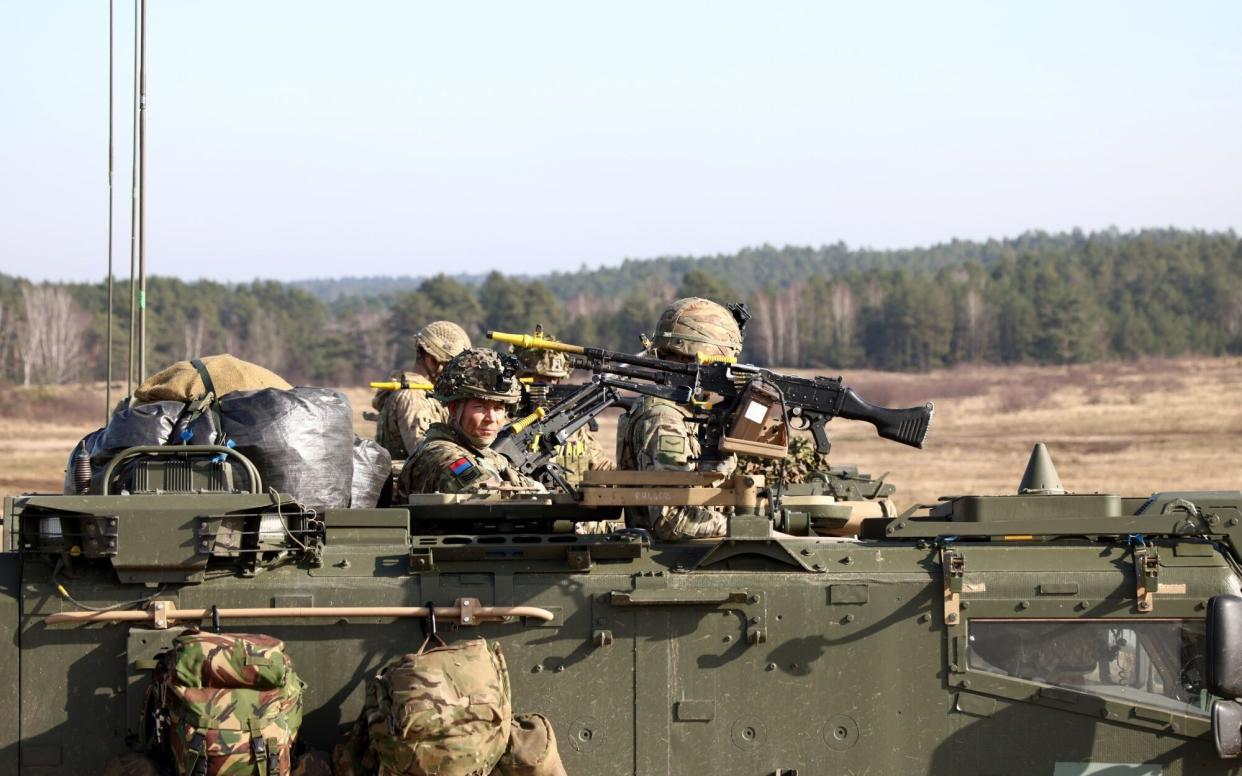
point(266, 751)
point(1146, 572)
point(207, 402)
point(208, 385)
point(952, 569)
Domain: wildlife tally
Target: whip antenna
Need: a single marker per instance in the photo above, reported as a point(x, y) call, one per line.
point(111, 81)
point(142, 196)
point(133, 220)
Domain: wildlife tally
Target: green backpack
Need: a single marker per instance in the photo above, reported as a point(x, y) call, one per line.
point(226, 704)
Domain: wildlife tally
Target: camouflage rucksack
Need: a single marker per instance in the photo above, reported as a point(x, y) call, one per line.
point(226, 704)
point(532, 749)
point(443, 711)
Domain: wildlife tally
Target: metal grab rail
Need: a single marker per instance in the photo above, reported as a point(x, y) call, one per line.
point(256, 483)
point(159, 614)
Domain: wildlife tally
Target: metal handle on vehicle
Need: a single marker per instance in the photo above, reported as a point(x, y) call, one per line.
point(677, 598)
point(256, 484)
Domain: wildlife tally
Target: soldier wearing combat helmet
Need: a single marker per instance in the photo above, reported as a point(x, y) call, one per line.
point(407, 413)
point(655, 435)
point(581, 453)
point(478, 388)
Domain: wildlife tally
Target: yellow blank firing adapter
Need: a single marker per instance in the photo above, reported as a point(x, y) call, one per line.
point(401, 385)
point(532, 342)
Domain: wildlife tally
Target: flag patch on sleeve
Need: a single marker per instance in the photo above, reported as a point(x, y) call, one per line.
point(464, 470)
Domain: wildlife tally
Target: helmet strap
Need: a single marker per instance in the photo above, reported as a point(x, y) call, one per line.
point(429, 364)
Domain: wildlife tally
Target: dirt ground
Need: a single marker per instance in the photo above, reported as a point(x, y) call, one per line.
point(1132, 428)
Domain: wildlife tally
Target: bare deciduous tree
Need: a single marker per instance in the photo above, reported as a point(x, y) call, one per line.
point(195, 331)
point(51, 340)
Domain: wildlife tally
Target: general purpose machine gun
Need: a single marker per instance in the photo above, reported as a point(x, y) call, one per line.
point(757, 406)
point(532, 442)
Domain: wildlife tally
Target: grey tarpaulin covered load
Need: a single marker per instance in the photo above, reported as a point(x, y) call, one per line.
point(300, 440)
point(372, 470)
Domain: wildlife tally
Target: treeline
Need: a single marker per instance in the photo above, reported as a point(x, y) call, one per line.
point(1061, 298)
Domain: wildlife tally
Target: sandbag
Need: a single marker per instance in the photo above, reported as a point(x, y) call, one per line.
point(532, 749)
point(182, 382)
point(300, 440)
point(443, 711)
point(372, 471)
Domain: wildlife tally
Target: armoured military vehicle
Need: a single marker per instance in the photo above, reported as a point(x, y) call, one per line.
point(1043, 632)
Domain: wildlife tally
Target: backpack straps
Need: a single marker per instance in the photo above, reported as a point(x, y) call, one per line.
point(198, 755)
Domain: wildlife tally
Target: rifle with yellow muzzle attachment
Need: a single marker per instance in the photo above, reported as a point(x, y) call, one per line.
point(757, 406)
point(406, 385)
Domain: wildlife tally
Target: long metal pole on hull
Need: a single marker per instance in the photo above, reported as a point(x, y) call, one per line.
point(111, 156)
point(142, 199)
point(133, 222)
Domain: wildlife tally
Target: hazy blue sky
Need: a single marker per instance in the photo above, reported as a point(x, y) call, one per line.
point(300, 139)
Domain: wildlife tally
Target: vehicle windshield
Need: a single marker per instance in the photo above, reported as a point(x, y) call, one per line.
point(1156, 662)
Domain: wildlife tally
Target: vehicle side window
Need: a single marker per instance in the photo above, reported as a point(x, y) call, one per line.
point(1155, 662)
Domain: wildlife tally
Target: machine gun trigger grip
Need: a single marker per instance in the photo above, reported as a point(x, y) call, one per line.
point(819, 431)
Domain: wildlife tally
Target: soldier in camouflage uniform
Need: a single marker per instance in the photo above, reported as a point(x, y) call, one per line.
point(477, 388)
point(407, 413)
point(581, 453)
point(654, 434)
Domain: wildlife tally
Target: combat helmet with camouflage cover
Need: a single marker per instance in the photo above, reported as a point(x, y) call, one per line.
point(539, 362)
point(695, 326)
point(442, 340)
point(480, 373)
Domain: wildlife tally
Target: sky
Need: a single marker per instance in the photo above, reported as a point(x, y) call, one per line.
point(305, 139)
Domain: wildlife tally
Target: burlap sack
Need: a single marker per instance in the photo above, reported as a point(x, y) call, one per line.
point(182, 382)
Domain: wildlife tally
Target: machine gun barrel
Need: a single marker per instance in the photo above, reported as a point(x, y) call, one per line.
point(808, 402)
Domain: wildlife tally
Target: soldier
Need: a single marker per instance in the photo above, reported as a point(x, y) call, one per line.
point(477, 388)
point(407, 413)
point(654, 434)
point(581, 453)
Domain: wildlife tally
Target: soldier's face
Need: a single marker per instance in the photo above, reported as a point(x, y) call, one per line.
point(480, 419)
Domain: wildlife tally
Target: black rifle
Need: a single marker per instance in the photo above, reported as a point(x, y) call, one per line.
point(531, 443)
point(807, 402)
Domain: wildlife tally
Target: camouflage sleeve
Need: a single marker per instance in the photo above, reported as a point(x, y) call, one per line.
point(663, 443)
point(414, 412)
point(445, 468)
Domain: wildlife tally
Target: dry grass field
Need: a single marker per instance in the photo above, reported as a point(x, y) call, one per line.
point(1132, 428)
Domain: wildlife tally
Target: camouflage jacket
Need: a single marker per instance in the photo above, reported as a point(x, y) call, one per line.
point(654, 436)
point(405, 415)
point(444, 462)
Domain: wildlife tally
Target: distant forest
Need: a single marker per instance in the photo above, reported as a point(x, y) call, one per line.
point(1039, 298)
